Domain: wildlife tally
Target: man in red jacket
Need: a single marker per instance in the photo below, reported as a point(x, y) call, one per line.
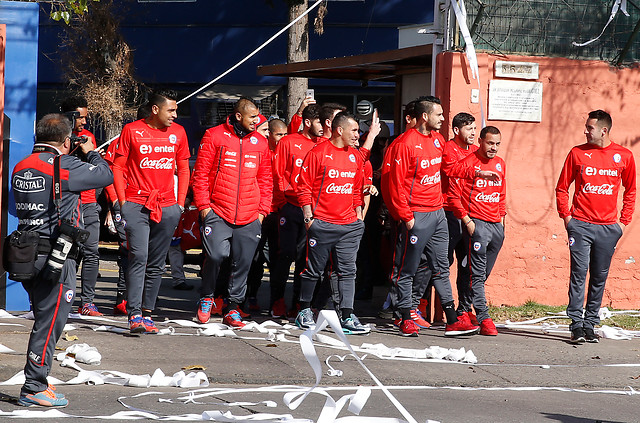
point(480, 206)
point(290, 153)
point(147, 155)
point(330, 193)
point(90, 212)
point(232, 188)
point(411, 187)
point(597, 168)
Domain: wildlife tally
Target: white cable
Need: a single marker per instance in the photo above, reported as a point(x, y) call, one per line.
point(232, 68)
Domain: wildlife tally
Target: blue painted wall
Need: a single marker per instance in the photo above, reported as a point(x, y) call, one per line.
point(21, 64)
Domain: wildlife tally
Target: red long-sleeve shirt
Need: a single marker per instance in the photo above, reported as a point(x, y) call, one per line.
point(145, 161)
point(597, 173)
point(479, 198)
point(290, 154)
point(411, 181)
point(331, 183)
point(451, 155)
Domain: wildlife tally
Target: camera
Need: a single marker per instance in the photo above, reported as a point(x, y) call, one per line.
point(66, 244)
point(75, 140)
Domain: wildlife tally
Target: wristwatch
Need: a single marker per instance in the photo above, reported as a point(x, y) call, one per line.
point(308, 219)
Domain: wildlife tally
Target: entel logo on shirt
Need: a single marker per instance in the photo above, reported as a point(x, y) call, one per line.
point(333, 173)
point(298, 162)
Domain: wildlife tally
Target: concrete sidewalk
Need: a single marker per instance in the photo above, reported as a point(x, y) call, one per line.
point(428, 390)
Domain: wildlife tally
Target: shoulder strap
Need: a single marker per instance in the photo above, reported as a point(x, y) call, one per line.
point(57, 187)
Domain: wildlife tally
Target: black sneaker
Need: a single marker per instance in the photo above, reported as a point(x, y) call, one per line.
point(591, 336)
point(577, 336)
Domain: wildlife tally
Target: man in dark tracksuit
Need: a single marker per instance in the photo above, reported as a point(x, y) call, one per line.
point(597, 168)
point(90, 213)
point(32, 183)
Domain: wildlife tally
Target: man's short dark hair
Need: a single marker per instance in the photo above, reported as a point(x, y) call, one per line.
point(425, 104)
point(489, 130)
point(275, 124)
point(341, 120)
point(242, 104)
point(311, 112)
point(53, 128)
point(462, 119)
point(71, 104)
point(158, 98)
point(328, 109)
point(603, 118)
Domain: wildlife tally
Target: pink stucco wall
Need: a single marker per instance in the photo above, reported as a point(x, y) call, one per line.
point(534, 261)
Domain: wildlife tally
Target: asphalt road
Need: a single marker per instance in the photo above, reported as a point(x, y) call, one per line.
point(520, 376)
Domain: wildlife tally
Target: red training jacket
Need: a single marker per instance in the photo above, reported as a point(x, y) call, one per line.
point(233, 175)
point(451, 155)
point(290, 154)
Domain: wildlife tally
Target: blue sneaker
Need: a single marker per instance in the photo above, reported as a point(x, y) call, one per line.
point(304, 319)
point(46, 398)
point(53, 389)
point(136, 324)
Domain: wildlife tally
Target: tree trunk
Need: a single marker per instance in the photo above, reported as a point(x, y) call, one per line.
point(297, 51)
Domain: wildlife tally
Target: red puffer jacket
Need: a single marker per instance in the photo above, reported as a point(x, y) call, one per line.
point(232, 175)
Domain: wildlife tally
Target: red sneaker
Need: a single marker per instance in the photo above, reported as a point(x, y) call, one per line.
point(89, 309)
point(204, 310)
point(462, 326)
point(217, 306)
point(233, 319)
point(120, 309)
point(416, 316)
point(409, 328)
point(488, 328)
point(136, 325)
point(472, 318)
point(279, 309)
point(149, 326)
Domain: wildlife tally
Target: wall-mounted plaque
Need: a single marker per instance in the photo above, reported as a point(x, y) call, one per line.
point(517, 70)
point(515, 100)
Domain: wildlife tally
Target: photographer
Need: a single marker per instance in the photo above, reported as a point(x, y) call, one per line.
point(53, 216)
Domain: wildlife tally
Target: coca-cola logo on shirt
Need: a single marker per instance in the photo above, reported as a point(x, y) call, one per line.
point(334, 188)
point(164, 163)
point(431, 180)
point(488, 198)
point(604, 189)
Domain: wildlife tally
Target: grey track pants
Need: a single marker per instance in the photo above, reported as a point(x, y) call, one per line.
point(51, 304)
point(91, 256)
point(148, 243)
point(483, 246)
point(221, 239)
point(325, 240)
point(591, 247)
point(430, 236)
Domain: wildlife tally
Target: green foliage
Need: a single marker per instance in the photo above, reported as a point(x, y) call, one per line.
point(66, 9)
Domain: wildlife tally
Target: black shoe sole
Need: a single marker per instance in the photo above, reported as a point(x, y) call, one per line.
point(578, 341)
